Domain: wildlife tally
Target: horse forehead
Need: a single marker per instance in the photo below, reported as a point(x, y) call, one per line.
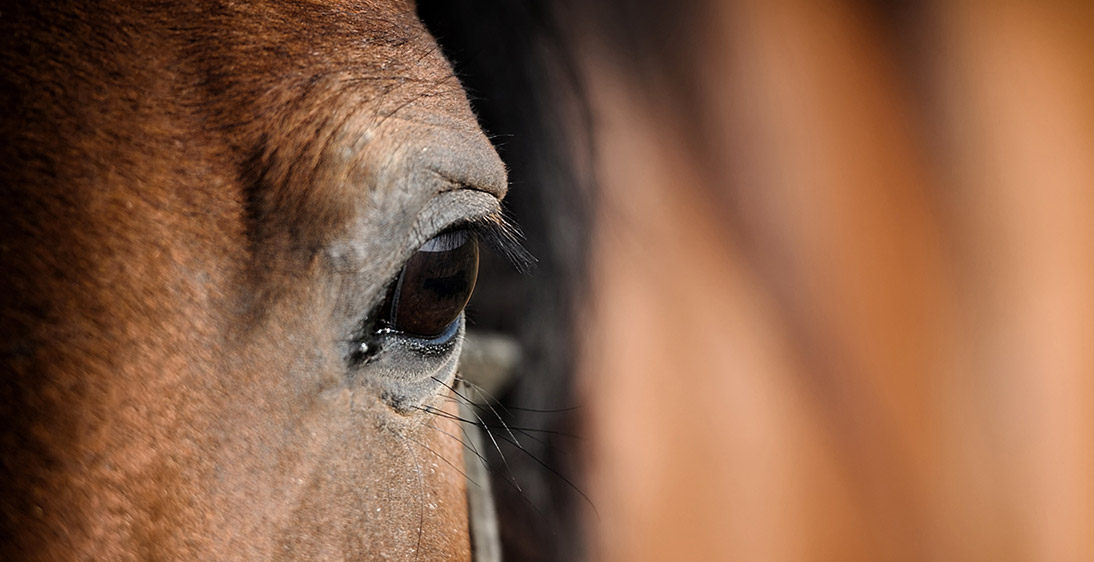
point(326, 116)
point(313, 79)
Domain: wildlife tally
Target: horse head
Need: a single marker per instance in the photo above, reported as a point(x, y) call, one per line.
point(237, 241)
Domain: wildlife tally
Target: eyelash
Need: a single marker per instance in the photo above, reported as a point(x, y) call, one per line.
point(503, 237)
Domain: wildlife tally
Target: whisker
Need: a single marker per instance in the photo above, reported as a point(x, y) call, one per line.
point(546, 466)
point(480, 423)
point(467, 443)
point(558, 474)
point(490, 398)
point(496, 446)
point(510, 477)
point(525, 431)
point(511, 481)
point(457, 393)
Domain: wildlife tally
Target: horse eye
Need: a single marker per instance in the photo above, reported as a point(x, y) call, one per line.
point(435, 285)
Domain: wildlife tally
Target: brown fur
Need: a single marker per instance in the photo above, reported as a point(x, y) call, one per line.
point(172, 176)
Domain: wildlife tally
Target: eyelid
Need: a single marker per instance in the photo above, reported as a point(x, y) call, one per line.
point(447, 210)
point(485, 221)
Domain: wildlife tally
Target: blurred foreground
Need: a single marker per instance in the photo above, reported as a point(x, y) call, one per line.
point(842, 281)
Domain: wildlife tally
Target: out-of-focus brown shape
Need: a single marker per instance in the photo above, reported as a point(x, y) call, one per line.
point(843, 301)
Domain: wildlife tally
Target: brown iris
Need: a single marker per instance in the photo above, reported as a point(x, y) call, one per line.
point(434, 286)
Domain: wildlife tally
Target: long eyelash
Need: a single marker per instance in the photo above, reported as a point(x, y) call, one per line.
point(503, 237)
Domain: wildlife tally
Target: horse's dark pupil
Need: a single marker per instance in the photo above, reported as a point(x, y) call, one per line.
point(435, 284)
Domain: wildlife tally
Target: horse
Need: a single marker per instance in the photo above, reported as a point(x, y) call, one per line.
point(817, 275)
point(237, 240)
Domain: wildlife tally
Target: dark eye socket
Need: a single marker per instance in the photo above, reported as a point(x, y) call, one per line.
point(434, 285)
